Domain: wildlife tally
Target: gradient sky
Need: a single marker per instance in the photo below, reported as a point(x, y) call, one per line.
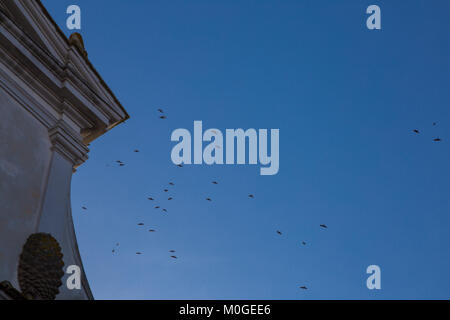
point(345, 99)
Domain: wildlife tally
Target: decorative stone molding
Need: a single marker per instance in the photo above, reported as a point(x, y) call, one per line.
point(77, 40)
point(8, 292)
point(55, 67)
point(65, 142)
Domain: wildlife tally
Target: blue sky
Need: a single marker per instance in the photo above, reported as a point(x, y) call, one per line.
point(345, 99)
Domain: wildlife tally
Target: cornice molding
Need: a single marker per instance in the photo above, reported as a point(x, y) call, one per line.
point(70, 82)
point(66, 143)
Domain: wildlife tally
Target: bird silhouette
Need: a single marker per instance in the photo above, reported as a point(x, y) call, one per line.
point(163, 117)
point(304, 288)
point(140, 224)
point(304, 243)
point(157, 207)
point(136, 151)
point(437, 140)
point(172, 251)
point(152, 230)
point(279, 232)
point(84, 208)
point(171, 183)
point(166, 190)
point(208, 199)
point(323, 226)
point(416, 131)
point(151, 199)
point(173, 257)
point(434, 123)
point(165, 210)
point(180, 165)
point(215, 182)
point(170, 198)
point(138, 253)
point(251, 196)
point(160, 111)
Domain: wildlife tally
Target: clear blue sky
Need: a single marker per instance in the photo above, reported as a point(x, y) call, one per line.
point(345, 99)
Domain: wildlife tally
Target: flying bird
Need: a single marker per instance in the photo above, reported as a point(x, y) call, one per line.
point(136, 150)
point(151, 199)
point(323, 226)
point(208, 199)
point(437, 140)
point(279, 232)
point(172, 251)
point(163, 117)
point(180, 165)
point(165, 210)
point(166, 190)
point(304, 288)
point(160, 111)
point(122, 164)
point(171, 183)
point(151, 230)
point(84, 208)
point(173, 257)
point(157, 207)
point(416, 131)
point(170, 198)
point(215, 182)
point(251, 196)
point(140, 224)
point(434, 123)
point(138, 253)
point(304, 243)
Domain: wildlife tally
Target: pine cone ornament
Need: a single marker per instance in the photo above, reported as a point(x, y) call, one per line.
point(41, 267)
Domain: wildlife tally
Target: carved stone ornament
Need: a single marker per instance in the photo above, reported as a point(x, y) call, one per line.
point(40, 267)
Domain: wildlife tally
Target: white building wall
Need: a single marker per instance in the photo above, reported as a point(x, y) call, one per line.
point(24, 164)
point(52, 104)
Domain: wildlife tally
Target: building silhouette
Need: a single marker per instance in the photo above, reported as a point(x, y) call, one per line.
point(53, 103)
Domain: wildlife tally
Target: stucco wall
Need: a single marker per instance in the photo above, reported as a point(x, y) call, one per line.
point(24, 162)
point(34, 193)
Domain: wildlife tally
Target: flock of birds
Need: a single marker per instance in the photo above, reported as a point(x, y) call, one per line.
point(250, 196)
point(436, 139)
point(170, 198)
